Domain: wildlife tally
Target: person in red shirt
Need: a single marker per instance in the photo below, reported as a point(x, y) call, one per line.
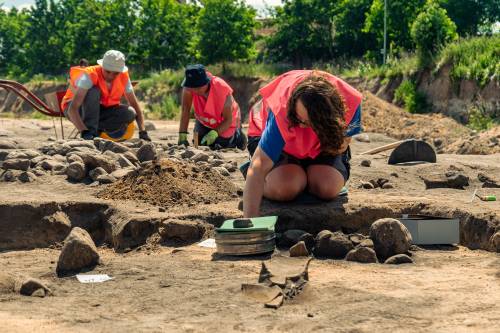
point(217, 113)
point(299, 135)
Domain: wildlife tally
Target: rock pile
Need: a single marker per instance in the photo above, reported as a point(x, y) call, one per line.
point(389, 242)
point(99, 161)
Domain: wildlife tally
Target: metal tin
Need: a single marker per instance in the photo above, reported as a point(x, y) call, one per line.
point(245, 243)
point(246, 249)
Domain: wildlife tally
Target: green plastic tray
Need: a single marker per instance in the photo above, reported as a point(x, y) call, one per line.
point(265, 223)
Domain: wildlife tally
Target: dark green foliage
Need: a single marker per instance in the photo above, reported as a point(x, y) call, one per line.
point(225, 31)
point(431, 30)
point(412, 100)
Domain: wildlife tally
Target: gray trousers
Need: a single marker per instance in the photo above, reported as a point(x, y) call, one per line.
point(99, 118)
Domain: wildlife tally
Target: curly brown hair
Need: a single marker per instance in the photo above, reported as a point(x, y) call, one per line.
point(325, 107)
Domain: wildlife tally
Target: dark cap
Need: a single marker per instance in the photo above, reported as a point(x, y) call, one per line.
point(195, 76)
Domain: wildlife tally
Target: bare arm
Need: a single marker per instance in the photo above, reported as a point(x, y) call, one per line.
point(187, 102)
point(73, 114)
point(227, 115)
point(132, 101)
point(260, 166)
point(343, 147)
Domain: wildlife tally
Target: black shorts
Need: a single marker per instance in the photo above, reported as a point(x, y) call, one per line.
point(339, 162)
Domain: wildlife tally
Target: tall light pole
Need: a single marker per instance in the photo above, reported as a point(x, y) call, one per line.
point(385, 31)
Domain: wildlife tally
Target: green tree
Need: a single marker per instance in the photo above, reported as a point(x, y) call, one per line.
point(225, 31)
point(471, 15)
point(164, 30)
point(45, 38)
point(349, 37)
point(13, 25)
point(400, 16)
point(94, 26)
point(304, 32)
point(431, 30)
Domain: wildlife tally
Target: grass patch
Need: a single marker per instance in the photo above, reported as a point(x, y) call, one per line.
point(239, 69)
point(479, 119)
point(413, 100)
point(168, 109)
point(473, 59)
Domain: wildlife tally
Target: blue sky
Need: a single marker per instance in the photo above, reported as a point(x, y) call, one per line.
point(259, 4)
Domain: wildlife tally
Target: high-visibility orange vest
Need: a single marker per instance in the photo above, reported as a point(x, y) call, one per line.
point(108, 98)
point(303, 142)
point(257, 118)
point(209, 110)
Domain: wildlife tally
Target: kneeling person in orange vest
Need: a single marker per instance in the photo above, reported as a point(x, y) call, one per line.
point(92, 101)
point(300, 133)
point(217, 114)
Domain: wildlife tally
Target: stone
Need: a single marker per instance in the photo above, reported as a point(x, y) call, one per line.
point(124, 162)
point(188, 153)
point(451, 179)
point(74, 158)
point(38, 172)
point(36, 160)
point(222, 171)
point(10, 175)
point(362, 254)
point(120, 173)
point(387, 186)
point(106, 179)
point(399, 259)
point(78, 252)
point(363, 137)
point(394, 174)
point(94, 160)
point(367, 243)
point(7, 144)
point(390, 237)
point(291, 237)
point(438, 142)
point(23, 154)
point(299, 250)
point(38, 293)
point(146, 153)
point(131, 157)
point(200, 157)
point(356, 238)
point(76, 171)
point(366, 163)
point(216, 162)
point(230, 167)
point(308, 239)
point(382, 181)
point(367, 185)
point(112, 146)
point(95, 173)
point(495, 242)
point(3, 154)
point(149, 126)
point(182, 230)
point(332, 245)
point(30, 285)
point(16, 164)
point(112, 155)
point(374, 183)
point(79, 143)
point(488, 182)
point(27, 177)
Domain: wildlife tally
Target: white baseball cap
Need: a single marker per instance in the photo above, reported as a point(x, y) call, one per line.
point(113, 61)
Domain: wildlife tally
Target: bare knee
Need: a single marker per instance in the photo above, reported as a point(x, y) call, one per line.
point(284, 191)
point(131, 114)
point(325, 191)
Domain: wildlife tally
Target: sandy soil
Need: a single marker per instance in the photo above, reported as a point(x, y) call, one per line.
point(188, 289)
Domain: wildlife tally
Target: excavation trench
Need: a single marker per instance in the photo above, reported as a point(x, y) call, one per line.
point(28, 225)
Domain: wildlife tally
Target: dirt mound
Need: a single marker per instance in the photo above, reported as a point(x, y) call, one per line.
point(444, 133)
point(172, 183)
